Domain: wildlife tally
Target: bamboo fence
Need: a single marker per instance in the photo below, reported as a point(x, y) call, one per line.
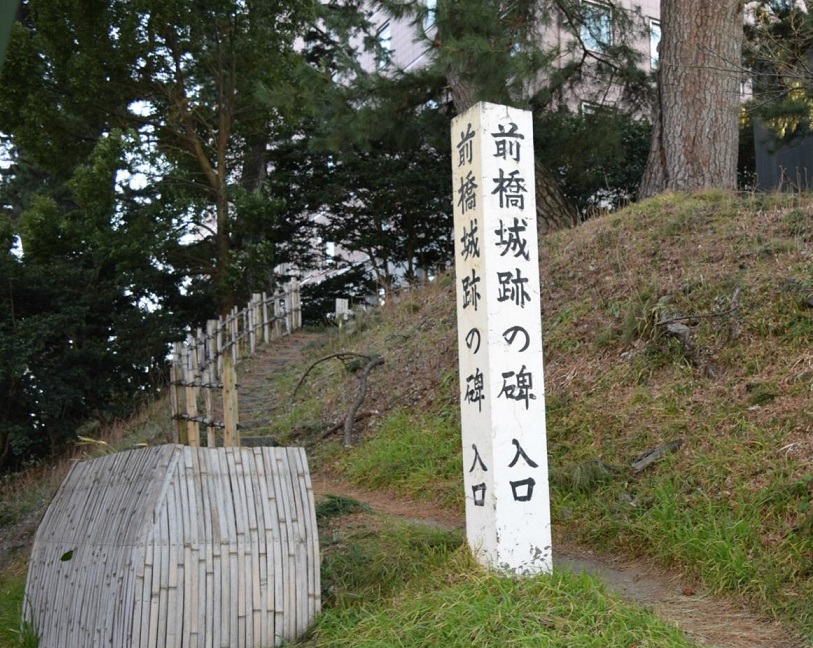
point(174, 546)
point(203, 366)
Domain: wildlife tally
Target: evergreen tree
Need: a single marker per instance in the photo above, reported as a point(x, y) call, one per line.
point(135, 199)
point(375, 189)
point(776, 53)
point(188, 81)
point(504, 52)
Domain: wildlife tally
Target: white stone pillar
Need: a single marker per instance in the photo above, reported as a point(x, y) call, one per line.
point(502, 396)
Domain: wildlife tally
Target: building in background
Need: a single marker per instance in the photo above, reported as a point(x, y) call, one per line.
point(404, 46)
point(407, 50)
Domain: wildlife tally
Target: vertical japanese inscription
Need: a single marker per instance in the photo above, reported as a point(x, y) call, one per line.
point(474, 384)
point(499, 339)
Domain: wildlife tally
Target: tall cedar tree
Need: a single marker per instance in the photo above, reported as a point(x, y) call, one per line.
point(696, 113)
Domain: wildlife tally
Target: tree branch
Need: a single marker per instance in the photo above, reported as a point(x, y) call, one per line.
point(343, 356)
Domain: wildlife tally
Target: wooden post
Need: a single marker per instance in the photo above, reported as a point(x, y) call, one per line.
point(192, 427)
point(210, 374)
point(342, 311)
point(178, 392)
point(249, 320)
point(258, 317)
point(221, 332)
point(297, 304)
point(235, 337)
point(254, 318)
point(278, 314)
point(211, 343)
point(266, 322)
point(231, 435)
point(200, 348)
point(502, 396)
point(289, 323)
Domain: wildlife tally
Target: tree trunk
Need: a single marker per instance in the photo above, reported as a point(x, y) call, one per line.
point(553, 210)
point(225, 292)
point(696, 112)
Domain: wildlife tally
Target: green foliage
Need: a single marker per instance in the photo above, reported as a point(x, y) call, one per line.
point(442, 597)
point(494, 50)
point(600, 155)
point(366, 564)
point(777, 44)
point(319, 299)
point(81, 346)
point(13, 634)
point(412, 453)
point(133, 213)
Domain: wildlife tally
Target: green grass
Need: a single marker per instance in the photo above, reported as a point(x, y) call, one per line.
point(415, 454)
point(377, 557)
point(12, 591)
point(734, 539)
point(407, 585)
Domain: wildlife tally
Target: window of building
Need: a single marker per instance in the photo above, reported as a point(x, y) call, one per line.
point(594, 108)
point(654, 42)
point(384, 36)
point(431, 10)
point(597, 26)
point(330, 253)
point(589, 108)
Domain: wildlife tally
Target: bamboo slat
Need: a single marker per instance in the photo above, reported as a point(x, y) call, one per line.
point(177, 546)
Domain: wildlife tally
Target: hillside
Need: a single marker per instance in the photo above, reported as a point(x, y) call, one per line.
point(729, 509)
point(735, 385)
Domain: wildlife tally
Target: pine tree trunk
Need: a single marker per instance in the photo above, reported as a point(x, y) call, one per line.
point(696, 126)
point(553, 210)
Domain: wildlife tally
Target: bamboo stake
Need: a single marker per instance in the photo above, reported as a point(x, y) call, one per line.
point(278, 315)
point(192, 428)
point(221, 328)
point(231, 436)
point(296, 304)
point(235, 335)
point(249, 319)
point(288, 311)
point(180, 394)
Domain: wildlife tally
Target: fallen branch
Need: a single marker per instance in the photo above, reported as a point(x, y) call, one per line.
point(351, 417)
point(343, 356)
point(735, 301)
point(650, 456)
point(351, 414)
point(698, 316)
point(338, 426)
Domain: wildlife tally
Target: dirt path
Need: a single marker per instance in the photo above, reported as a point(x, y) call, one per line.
point(709, 620)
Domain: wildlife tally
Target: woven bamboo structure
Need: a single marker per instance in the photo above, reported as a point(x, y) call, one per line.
point(175, 546)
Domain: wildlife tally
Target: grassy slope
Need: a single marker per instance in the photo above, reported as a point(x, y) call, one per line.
point(733, 506)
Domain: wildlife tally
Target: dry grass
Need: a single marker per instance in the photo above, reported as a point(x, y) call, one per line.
point(734, 506)
point(25, 495)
